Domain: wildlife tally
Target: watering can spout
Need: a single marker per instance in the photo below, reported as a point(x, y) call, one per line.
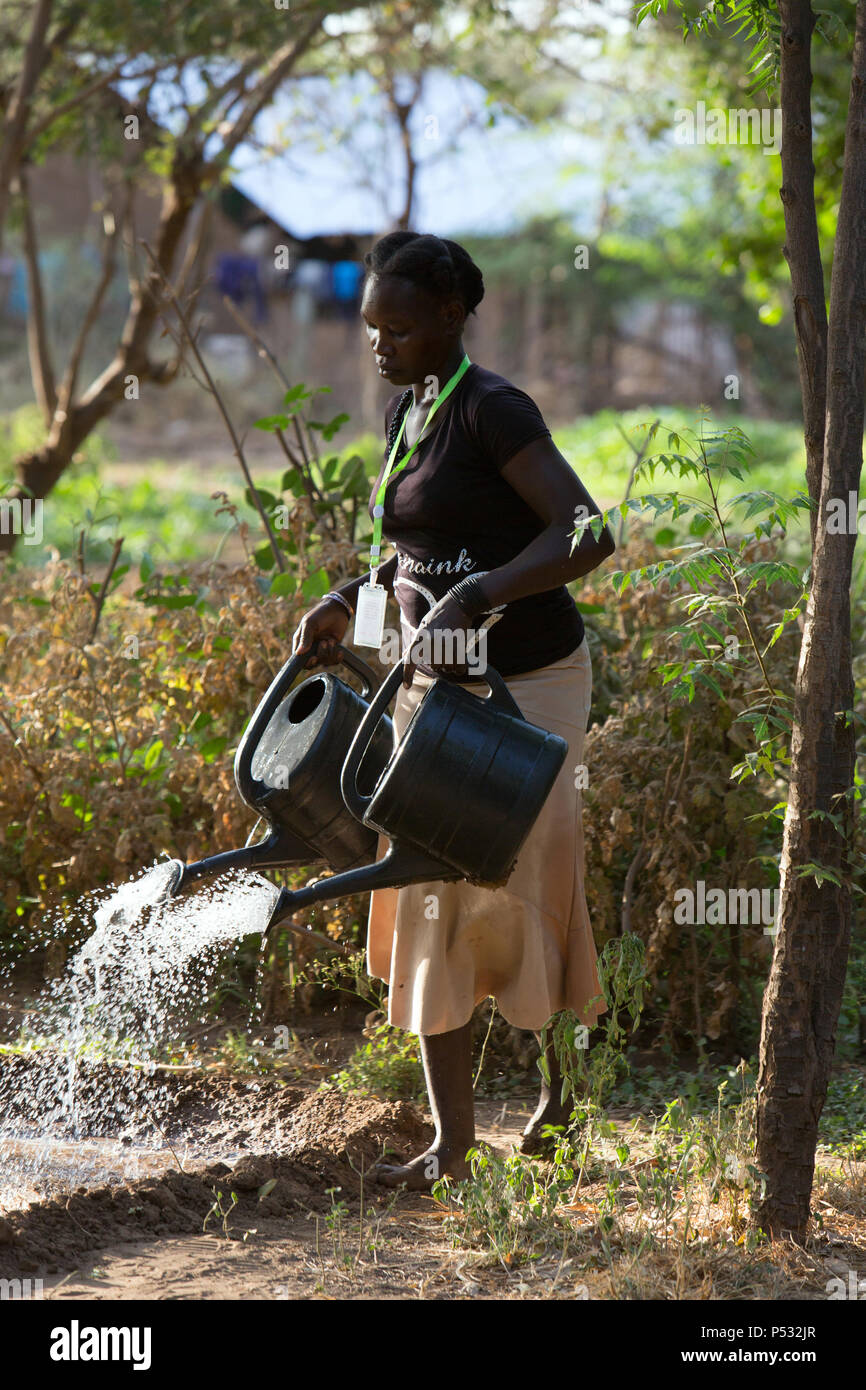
point(401, 865)
point(282, 849)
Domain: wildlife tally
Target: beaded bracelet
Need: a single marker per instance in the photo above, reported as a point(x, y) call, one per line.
point(470, 596)
point(338, 598)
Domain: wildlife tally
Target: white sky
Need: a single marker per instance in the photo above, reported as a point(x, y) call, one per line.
point(493, 180)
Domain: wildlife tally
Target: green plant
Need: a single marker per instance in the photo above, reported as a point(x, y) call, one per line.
point(842, 1126)
point(623, 981)
point(679, 715)
point(335, 1221)
point(388, 1064)
point(217, 1209)
point(319, 499)
point(720, 619)
point(344, 974)
point(507, 1206)
point(239, 1054)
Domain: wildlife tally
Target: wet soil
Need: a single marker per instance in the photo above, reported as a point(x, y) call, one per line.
point(288, 1147)
point(257, 1189)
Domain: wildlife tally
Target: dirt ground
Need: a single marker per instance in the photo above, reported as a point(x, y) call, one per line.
point(298, 1153)
point(283, 1207)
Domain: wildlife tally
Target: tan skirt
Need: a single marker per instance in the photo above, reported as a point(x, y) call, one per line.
point(443, 947)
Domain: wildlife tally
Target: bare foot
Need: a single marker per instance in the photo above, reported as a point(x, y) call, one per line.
point(420, 1174)
point(549, 1112)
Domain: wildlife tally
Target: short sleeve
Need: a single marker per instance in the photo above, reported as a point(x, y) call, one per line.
point(506, 420)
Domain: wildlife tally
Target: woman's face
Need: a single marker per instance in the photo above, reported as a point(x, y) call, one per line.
point(411, 333)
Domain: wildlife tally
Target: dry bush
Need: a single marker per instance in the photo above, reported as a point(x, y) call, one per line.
point(661, 810)
point(117, 748)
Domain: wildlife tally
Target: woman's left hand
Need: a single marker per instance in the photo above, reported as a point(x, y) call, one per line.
point(439, 644)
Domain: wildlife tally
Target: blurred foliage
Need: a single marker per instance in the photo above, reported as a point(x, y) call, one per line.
point(118, 724)
point(388, 1064)
point(124, 694)
point(660, 786)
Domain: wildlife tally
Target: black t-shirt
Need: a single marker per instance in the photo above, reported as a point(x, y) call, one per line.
point(449, 513)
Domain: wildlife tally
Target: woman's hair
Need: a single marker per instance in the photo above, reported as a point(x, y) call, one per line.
point(442, 268)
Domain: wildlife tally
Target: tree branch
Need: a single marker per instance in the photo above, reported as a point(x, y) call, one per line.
point(305, 470)
point(109, 262)
point(99, 599)
point(38, 347)
point(802, 249)
point(15, 124)
point(114, 74)
point(276, 70)
point(239, 453)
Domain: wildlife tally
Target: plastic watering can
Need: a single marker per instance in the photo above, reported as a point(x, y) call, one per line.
point(456, 798)
point(287, 768)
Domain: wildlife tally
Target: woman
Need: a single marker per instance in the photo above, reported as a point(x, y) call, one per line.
point(485, 493)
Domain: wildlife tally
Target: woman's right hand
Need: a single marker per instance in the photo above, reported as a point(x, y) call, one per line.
point(325, 624)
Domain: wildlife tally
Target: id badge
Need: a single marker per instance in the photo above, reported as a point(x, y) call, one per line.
point(370, 615)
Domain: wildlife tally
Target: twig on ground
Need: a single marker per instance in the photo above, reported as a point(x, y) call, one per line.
point(99, 599)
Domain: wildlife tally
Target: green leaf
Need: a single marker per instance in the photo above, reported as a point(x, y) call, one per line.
point(267, 499)
point(213, 748)
point(292, 482)
point(170, 601)
point(264, 556)
point(282, 585)
point(329, 468)
point(351, 468)
point(703, 675)
point(153, 754)
point(819, 872)
point(317, 584)
point(333, 425)
point(699, 525)
point(272, 422)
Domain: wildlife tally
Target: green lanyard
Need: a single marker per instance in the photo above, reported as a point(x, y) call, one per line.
point(379, 509)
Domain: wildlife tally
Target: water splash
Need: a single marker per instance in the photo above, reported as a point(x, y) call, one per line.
point(145, 970)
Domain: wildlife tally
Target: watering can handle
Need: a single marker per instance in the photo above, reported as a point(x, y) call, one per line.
point(276, 691)
point(499, 695)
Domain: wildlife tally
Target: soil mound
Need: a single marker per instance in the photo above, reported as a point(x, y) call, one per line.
point(296, 1146)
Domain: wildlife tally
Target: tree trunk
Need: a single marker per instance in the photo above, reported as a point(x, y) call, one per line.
point(191, 173)
point(804, 991)
point(40, 470)
point(802, 247)
point(12, 132)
